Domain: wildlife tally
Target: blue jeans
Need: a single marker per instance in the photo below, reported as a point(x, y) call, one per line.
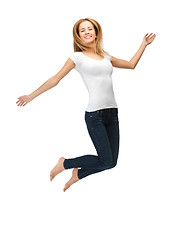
point(103, 128)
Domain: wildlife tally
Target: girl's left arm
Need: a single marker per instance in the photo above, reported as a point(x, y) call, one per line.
point(120, 63)
point(145, 42)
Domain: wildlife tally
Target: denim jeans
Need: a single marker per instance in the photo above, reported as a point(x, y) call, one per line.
point(103, 128)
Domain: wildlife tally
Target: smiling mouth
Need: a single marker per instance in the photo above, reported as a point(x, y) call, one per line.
point(88, 37)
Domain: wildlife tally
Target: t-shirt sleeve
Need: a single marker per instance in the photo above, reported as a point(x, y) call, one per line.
point(108, 57)
point(73, 57)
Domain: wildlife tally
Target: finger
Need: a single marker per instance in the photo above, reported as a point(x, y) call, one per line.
point(150, 34)
point(152, 37)
point(24, 104)
point(20, 104)
point(17, 101)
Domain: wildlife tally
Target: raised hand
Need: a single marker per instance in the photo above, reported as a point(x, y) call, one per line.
point(149, 39)
point(23, 100)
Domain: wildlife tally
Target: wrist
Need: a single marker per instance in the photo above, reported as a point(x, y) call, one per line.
point(31, 96)
point(144, 44)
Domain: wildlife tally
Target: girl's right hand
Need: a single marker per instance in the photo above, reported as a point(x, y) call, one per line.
point(23, 100)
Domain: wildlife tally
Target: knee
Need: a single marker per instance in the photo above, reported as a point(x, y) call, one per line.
point(110, 165)
point(114, 163)
point(107, 164)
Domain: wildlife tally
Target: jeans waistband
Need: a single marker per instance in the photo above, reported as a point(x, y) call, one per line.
point(106, 110)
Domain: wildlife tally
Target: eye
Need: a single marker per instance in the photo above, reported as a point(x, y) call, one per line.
point(89, 29)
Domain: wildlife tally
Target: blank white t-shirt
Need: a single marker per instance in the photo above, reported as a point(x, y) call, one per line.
point(96, 75)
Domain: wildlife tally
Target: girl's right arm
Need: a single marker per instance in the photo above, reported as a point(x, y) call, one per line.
point(51, 82)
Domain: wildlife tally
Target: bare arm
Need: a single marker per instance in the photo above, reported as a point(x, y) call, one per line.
point(50, 83)
point(138, 55)
point(119, 63)
point(148, 39)
point(53, 81)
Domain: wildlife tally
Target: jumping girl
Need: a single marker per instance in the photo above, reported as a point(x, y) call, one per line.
point(95, 66)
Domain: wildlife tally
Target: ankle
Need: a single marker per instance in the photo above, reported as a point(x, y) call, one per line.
point(63, 163)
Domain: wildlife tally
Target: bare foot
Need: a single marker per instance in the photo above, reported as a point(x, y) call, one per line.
point(72, 180)
point(59, 167)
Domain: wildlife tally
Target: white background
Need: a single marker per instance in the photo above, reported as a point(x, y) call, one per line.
point(139, 199)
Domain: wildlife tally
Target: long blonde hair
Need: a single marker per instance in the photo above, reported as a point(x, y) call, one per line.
point(79, 45)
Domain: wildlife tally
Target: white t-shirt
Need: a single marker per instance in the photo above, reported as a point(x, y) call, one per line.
point(96, 75)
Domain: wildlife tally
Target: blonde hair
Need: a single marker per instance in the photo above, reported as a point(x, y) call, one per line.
point(79, 45)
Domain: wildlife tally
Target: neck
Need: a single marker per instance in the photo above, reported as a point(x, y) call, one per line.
point(91, 49)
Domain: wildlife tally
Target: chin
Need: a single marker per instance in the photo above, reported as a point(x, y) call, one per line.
point(89, 41)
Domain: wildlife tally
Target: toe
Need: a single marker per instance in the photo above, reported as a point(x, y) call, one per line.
point(66, 187)
point(51, 176)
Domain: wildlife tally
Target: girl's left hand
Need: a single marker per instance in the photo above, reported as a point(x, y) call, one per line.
point(149, 39)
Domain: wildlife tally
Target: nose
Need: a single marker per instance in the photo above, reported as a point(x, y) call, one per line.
point(86, 32)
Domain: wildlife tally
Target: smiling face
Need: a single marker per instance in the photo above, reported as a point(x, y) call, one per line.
point(87, 32)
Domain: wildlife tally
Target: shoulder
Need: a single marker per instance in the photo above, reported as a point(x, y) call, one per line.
point(75, 56)
point(108, 57)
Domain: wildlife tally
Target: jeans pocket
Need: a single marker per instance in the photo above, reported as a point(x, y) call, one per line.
point(93, 115)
